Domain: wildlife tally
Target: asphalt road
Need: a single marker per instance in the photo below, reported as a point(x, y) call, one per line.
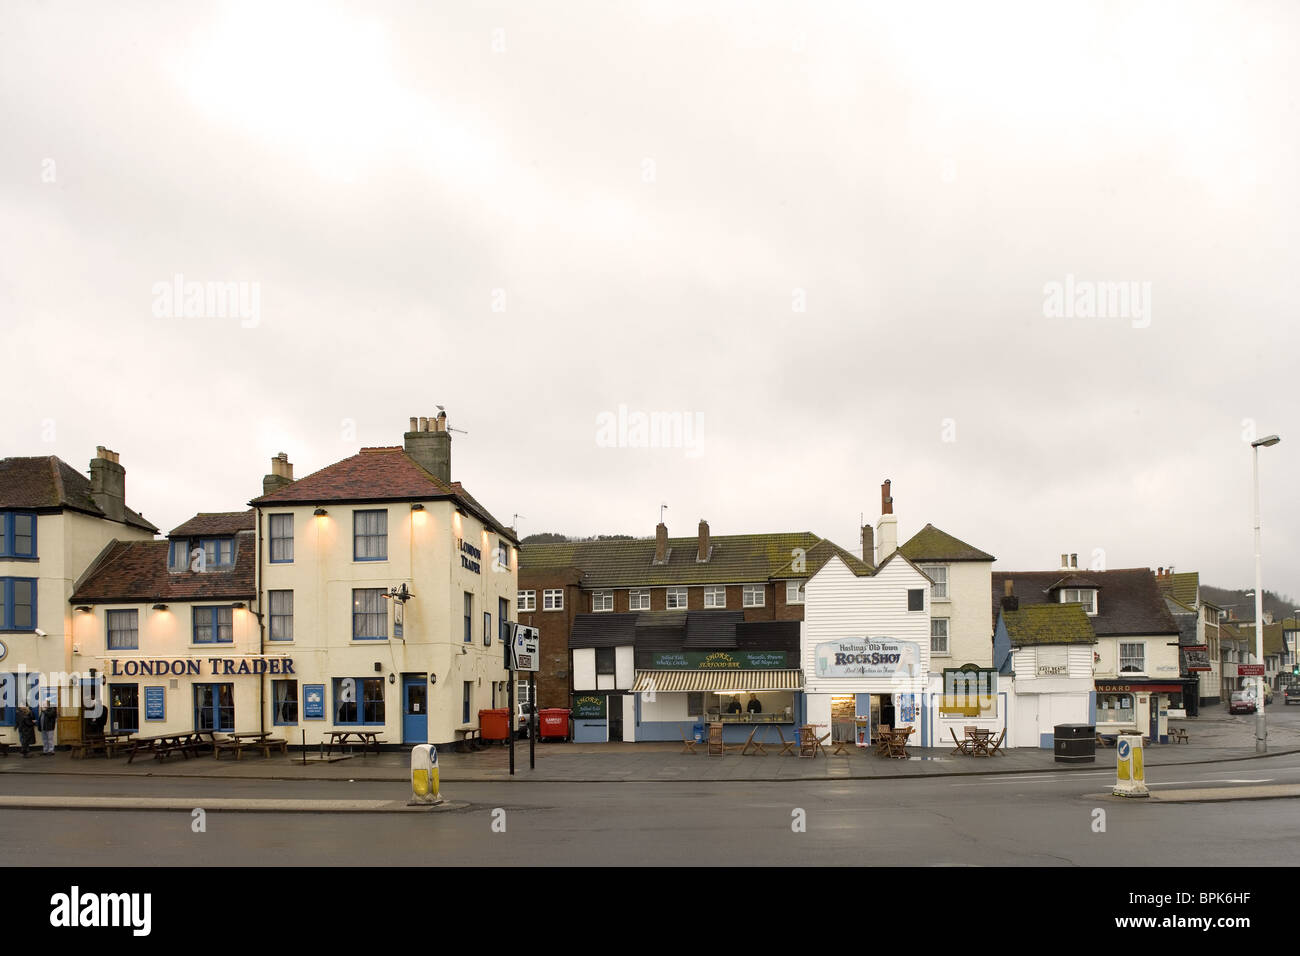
point(1024, 819)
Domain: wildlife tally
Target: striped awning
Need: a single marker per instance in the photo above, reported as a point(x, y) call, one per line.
point(738, 681)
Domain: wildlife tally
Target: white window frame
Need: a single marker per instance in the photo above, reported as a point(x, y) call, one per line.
point(1075, 596)
point(749, 592)
point(712, 594)
point(938, 590)
point(1119, 657)
point(947, 637)
point(676, 599)
point(602, 601)
point(798, 592)
point(525, 600)
point(553, 599)
point(638, 599)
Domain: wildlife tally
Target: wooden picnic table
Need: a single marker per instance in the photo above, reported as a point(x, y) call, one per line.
point(164, 745)
point(339, 738)
point(248, 740)
point(101, 743)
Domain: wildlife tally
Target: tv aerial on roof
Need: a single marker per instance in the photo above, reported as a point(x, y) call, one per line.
point(449, 428)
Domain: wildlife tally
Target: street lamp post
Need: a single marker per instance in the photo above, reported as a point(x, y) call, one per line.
point(1261, 728)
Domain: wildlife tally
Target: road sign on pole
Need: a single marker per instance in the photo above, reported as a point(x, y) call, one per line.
point(525, 648)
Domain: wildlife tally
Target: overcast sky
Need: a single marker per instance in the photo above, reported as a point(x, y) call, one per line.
point(823, 233)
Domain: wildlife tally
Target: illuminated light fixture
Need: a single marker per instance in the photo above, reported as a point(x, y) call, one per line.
point(85, 608)
point(417, 507)
point(239, 606)
point(320, 512)
point(160, 606)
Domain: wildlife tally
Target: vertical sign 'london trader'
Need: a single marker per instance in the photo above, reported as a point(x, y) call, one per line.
point(470, 556)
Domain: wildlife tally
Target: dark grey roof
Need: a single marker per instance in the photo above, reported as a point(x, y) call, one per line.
point(1129, 601)
point(710, 629)
point(603, 630)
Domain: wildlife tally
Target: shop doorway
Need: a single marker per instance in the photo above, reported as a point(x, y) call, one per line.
point(415, 709)
point(214, 707)
point(1154, 719)
point(614, 716)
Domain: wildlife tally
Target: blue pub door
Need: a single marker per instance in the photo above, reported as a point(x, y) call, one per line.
point(415, 709)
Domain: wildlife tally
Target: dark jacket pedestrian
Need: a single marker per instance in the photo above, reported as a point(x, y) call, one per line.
point(47, 719)
point(26, 728)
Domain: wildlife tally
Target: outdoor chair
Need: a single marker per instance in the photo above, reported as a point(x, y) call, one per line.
point(688, 743)
point(787, 746)
point(963, 746)
point(993, 747)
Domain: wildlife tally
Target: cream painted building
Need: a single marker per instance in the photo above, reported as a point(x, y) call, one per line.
point(53, 523)
point(391, 588)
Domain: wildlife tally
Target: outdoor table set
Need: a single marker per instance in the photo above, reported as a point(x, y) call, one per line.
point(977, 742)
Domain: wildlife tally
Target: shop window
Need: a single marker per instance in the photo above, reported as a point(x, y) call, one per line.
point(715, 597)
point(638, 600)
point(1115, 709)
point(123, 630)
point(124, 708)
point(695, 703)
point(969, 692)
point(526, 601)
point(281, 615)
point(752, 595)
point(370, 535)
point(284, 701)
point(1132, 658)
point(675, 599)
point(602, 601)
point(605, 660)
point(281, 539)
point(214, 625)
point(358, 700)
point(18, 537)
point(916, 599)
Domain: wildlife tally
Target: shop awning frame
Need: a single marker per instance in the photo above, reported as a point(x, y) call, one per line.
point(737, 681)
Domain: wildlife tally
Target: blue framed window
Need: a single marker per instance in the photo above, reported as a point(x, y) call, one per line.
point(219, 553)
point(370, 535)
point(281, 615)
point(284, 702)
point(178, 554)
point(281, 539)
point(19, 535)
point(469, 617)
point(358, 700)
point(369, 615)
point(19, 610)
point(503, 622)
point(214, 707)
point(465, 702)
point(123, 630)
point(214, 625)
point(124, 708)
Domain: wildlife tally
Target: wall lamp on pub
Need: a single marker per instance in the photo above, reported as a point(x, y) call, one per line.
point(433, 678)
point(392, 678)
point(320, 512)
point(160, 606)
point(417, 507)
point(239, 606)
point(83, 608)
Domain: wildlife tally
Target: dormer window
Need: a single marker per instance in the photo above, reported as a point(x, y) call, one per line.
point(1085, 596)
point(218, 554)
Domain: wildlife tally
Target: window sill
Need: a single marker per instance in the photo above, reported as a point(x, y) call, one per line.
point(19, 557)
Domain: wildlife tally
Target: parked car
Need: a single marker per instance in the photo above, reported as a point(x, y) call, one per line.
point(523, 720)
point(1241, 702)
point(1291, 693)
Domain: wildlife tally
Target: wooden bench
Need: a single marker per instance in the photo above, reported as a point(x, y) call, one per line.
point(1178, 735)
point(469, 740)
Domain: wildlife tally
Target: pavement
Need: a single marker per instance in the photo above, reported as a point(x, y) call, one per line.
point(1215, 736)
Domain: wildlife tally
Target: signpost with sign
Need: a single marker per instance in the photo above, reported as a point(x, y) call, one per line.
point(1250, 670)
point(523, 653)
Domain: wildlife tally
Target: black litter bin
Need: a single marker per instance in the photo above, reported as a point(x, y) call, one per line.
point(1076, 743)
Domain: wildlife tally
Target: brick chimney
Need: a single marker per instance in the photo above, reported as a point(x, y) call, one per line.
point(1009, 600)
point(281, 474)
point(108, 483)
point(868, 544)
point(661, 543)
point(705, 548)
point(428, 444)
point(887, 526)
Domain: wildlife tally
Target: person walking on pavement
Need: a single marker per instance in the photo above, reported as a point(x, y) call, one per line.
point(46, 721)
point(26, 729)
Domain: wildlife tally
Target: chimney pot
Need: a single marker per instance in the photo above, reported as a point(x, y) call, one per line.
point(424, 424)
point(415, 424)
point(886, 499)
point(108, 484)
point(430, 449)
point(1074, 560)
